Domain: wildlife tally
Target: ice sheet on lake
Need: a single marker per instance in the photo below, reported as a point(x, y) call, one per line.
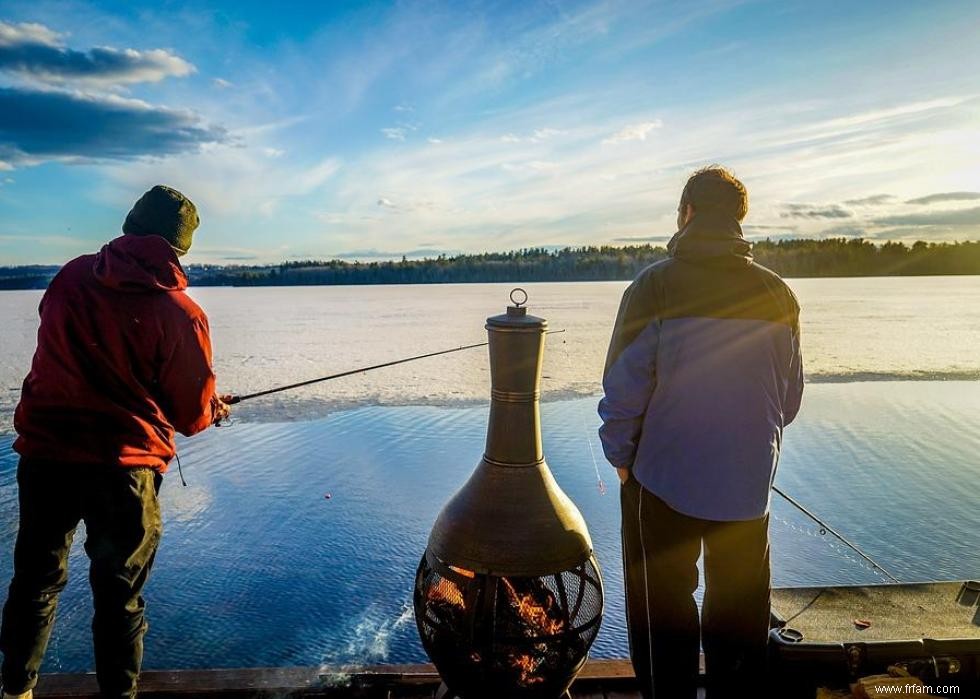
point(867, 329)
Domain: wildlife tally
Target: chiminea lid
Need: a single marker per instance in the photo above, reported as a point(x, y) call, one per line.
point(517, 316)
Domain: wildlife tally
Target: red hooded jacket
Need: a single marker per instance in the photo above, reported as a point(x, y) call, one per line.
point(123, 360)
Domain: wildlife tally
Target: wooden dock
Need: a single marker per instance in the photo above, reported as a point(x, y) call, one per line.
point(824, 615)
point(599, 679)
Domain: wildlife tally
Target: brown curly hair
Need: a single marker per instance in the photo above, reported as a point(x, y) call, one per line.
point(716, 189)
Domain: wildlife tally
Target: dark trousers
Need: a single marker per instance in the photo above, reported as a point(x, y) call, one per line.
point(660, 552)
point(122, 520)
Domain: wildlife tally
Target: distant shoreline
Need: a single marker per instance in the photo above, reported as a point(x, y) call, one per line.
point(795, 258)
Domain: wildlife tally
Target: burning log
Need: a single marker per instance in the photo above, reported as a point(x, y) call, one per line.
point(527, 666)
point(447, 592)
point(536, 607)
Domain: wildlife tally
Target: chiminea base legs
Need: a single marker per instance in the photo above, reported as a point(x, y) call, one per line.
point(444, 693)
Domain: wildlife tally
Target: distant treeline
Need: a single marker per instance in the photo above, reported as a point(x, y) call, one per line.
point(834, 257)
point(27, 277)
point(830, 257)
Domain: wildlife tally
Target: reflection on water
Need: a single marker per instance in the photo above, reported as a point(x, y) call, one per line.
point(259, 568)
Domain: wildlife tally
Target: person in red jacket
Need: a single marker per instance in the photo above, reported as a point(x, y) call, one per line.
point(123, 362)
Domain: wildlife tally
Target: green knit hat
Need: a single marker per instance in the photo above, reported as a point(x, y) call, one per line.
point(165, 212)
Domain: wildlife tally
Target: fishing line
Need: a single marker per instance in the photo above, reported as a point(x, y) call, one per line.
point(600, 484)
point(833, 545)
point(824, 528)
point(351, 372)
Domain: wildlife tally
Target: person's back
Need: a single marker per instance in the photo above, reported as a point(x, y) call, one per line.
point(111, 380)
point(726, 370)
point(123, 361)
point(703, 373)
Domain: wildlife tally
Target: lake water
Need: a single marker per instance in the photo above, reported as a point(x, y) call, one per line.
point(258, 568)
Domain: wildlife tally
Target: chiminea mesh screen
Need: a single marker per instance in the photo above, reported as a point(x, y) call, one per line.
point(492, 636)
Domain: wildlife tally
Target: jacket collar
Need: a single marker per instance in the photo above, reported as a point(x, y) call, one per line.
point(711, 238)
point(138, 264)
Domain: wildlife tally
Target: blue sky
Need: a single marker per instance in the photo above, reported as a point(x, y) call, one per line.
point(368, 130)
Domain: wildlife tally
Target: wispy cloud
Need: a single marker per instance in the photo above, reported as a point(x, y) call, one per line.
point(955, 217)
point(756, 227)
point(28, 33)
point(405, 206)
point(395, 133)
point(813, 211)
point(535, 136)
point(575, 189)
point(531, 166)
point(36, 52)
point(228, 254)
point(634, 132)
point(643, 239)
point(227, 181)
point(873, 200)
point(306, 180)
point(374, 254)
point(945, 196)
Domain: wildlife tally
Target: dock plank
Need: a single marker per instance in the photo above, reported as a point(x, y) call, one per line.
point(383, 682)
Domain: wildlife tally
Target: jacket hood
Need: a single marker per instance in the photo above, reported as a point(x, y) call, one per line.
point(139, 264)
point(711, 239)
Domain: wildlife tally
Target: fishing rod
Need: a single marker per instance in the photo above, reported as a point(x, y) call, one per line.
point(826, 527)
point(238, 399)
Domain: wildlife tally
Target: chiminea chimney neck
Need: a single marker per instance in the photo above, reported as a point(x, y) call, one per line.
point(516, 352)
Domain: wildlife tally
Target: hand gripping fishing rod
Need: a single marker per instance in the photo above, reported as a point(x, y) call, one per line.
point(249, 396)
point(824, 527)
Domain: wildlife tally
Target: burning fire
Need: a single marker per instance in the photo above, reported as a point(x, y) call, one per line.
point(527, 603)
point(528, 666)
point(448, 592)
point(533, 613)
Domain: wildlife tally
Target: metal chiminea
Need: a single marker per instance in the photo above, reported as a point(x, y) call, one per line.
point(508, 595)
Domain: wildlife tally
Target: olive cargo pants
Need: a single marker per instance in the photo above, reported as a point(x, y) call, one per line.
point(122, 518)
point(660, 553)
